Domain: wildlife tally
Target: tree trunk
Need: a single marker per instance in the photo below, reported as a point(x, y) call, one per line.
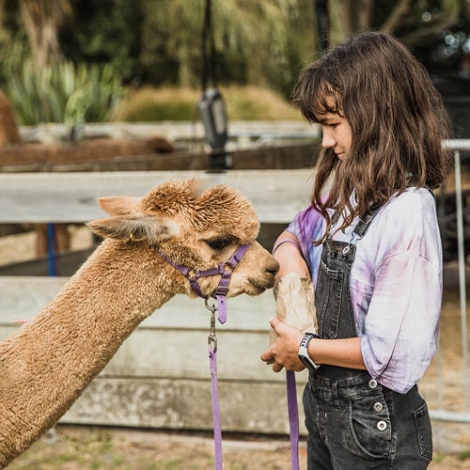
point(42, 20)
point(348, 17)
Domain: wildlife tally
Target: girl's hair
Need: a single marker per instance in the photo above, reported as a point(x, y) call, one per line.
point(397, 118)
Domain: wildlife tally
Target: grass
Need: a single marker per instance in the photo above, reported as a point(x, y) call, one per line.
point(180, 104)
point(464, 455)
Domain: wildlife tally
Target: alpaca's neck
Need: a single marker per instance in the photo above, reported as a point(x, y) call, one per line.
point(46, 364)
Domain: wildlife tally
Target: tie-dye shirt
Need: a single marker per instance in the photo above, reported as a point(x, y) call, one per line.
point(396, 284)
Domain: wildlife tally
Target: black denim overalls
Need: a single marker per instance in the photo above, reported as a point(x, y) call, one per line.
point(353, 421)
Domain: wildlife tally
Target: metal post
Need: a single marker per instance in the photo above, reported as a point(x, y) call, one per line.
point(462, 281)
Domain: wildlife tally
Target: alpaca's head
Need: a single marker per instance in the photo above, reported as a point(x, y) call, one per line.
point(194, 228)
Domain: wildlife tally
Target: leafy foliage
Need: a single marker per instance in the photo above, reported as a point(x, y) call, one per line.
point(107, 31)
point(63, 92)
point(261, 43)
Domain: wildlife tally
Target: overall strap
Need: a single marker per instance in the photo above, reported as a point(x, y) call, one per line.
point(364, 223)
point(360, 229)
point(362, 226)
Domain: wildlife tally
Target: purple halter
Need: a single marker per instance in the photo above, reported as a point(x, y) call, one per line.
point(225, 269)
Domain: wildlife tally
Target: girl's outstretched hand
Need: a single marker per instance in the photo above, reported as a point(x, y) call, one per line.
point(284, 351)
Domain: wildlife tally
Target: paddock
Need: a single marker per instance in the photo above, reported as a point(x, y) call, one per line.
point(160, 377)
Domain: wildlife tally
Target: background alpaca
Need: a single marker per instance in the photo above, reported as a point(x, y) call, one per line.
point(46, 364)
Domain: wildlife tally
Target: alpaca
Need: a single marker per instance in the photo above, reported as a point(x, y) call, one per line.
point(9, 132)
point(17, 153)
point(47, 363)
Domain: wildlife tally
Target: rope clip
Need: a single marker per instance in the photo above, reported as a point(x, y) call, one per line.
point(212, 338)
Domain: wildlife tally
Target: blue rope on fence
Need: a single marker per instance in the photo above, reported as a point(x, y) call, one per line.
point(51, 255)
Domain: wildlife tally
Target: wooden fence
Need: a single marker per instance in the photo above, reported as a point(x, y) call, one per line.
point(160, 376)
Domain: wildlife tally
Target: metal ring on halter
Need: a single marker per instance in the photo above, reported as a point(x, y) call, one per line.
point(212, 308)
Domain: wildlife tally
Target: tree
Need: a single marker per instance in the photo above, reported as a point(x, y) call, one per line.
point(42, 20)
point(437, 31)
point(254, 42)
point(259, 42)
point(105, 32)
point(414, 21)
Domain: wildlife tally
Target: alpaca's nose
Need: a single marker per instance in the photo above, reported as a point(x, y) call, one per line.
point(273, 268)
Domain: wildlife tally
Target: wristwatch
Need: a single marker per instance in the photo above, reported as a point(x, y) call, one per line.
point(303, 352)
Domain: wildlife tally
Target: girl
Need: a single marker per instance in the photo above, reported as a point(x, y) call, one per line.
point(372, 248)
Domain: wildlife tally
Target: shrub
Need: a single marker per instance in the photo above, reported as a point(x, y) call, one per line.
point(180, 104)
point(163, 104)
point(63, 93)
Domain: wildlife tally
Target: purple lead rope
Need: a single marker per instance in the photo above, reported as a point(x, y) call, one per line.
point(215, 408)
point(292, 407)
point(212, 341)
point(225, 270)
point(293, 418)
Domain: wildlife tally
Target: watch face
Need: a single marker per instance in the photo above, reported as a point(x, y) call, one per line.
point(307, 364)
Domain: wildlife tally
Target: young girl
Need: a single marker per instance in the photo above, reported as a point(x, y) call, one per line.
point(370, 242)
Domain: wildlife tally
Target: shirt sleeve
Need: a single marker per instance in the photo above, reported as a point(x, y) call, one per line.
point(306, 226)
point(401, 325)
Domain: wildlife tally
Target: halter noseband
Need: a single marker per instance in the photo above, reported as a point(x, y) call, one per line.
point(225, 269)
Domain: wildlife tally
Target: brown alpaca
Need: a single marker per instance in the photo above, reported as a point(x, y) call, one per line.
point(9, 133)
point(47, 363)
point(14, 152)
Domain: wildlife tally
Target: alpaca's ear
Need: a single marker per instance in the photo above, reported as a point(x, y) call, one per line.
point(119, 205)
point(135, 229)
point(199, 186)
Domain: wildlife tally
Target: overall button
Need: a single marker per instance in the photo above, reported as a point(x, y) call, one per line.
point(372, 383)
point(381, 425)
point(378, 407)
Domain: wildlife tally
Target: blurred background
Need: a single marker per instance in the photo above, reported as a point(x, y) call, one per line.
point(73, 61)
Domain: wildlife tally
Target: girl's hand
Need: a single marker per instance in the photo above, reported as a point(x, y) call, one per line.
point(284, 351)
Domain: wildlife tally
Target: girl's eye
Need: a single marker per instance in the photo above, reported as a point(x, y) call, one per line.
point(218, 244)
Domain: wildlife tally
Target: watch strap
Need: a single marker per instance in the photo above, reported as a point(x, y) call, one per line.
point(303, 351)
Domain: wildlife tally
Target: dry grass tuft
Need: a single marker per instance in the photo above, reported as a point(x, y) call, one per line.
point(180, 104)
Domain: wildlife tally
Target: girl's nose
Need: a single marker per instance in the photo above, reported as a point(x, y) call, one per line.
point(327, 140)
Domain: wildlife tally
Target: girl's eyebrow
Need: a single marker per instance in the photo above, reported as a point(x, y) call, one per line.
point(326, 120)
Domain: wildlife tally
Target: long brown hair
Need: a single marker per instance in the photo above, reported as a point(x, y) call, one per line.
point(397, 119)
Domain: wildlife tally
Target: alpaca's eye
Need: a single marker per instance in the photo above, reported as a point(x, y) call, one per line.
point(218, 244)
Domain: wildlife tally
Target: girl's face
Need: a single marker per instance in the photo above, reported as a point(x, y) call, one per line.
point(337, 134)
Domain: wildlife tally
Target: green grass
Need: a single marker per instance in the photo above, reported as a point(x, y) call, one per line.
point(464, 455)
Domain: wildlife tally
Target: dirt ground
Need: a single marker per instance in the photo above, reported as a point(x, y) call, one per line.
point(74, 448)
point(85, 448)
point(93, 448)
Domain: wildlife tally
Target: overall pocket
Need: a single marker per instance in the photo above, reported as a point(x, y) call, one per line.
point(328, 299)
point(370, 425)
point(423, 431)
